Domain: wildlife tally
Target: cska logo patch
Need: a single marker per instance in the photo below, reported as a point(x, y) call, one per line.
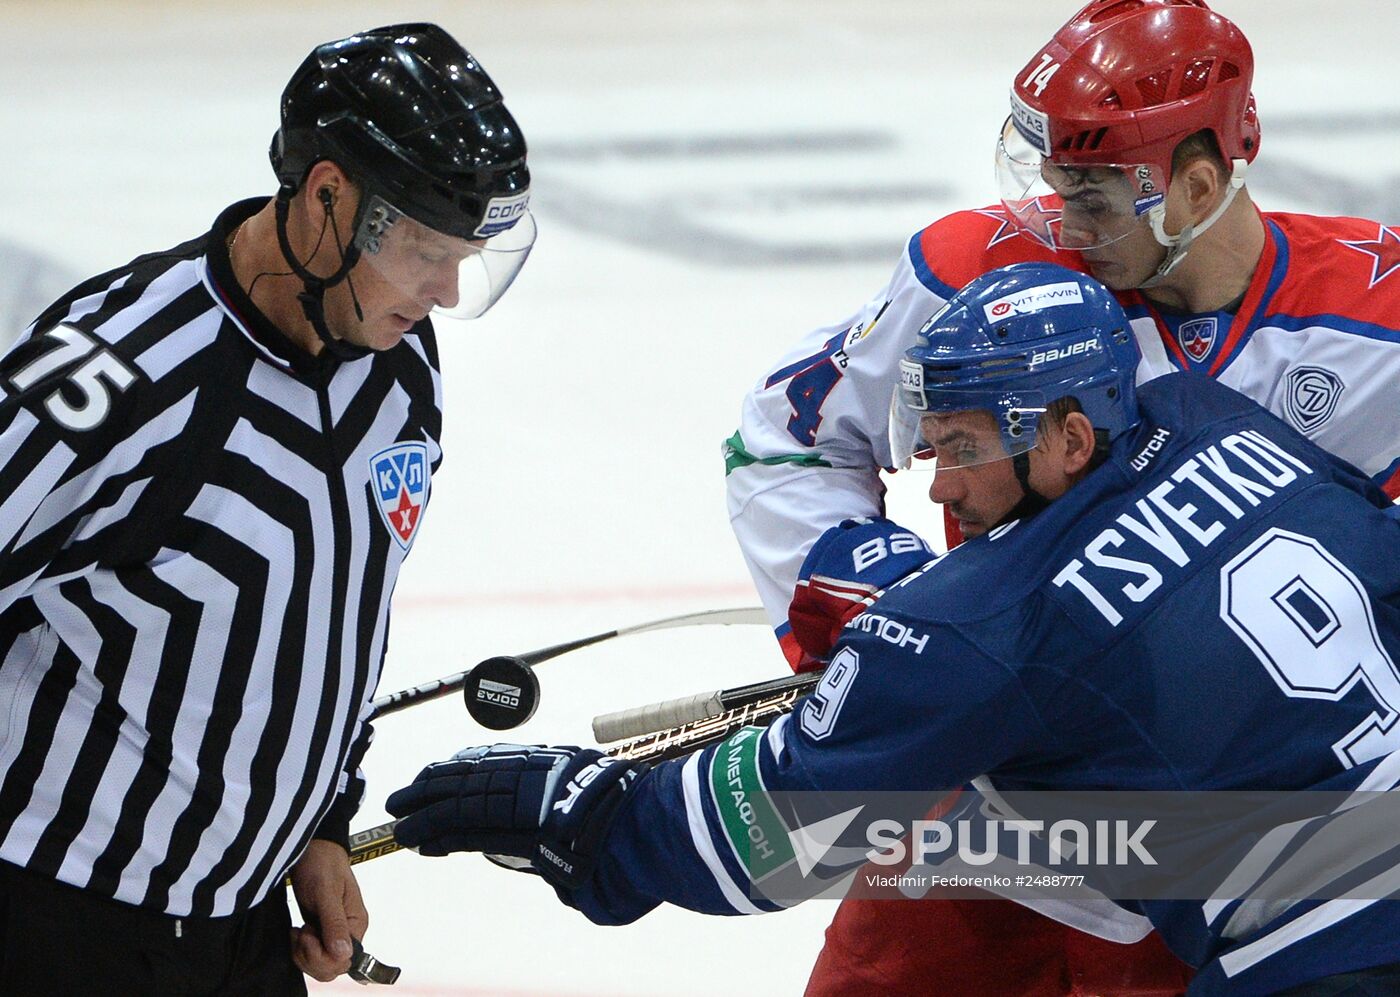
point(399, 476)
point(1197, 337)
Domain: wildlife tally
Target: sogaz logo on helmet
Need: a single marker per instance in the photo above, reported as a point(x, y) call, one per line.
point(911, 384)
point(1033, 300)
point(1033, 125)
point(501, 214)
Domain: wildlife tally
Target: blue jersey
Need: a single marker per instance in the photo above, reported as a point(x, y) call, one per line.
point(1215, 607)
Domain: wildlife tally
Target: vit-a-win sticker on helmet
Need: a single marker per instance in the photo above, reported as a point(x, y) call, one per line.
point(1033, 300)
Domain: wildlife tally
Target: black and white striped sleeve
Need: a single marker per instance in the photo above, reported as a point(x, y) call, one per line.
point(76, 455)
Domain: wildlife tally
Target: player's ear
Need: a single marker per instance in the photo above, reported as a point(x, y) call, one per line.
point(329, 188)
point(1204, 186)
point(1078, 443)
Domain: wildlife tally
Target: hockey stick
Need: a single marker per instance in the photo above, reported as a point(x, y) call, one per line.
point(686, 709)
point(373, 842)
point(392, 703)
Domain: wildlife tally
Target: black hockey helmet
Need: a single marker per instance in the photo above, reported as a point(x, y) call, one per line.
point(417, 124)
point(412, 117)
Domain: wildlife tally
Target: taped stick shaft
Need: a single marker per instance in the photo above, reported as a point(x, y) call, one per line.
point(677, 741)
point(686, 709)
point(448, 684)
point(655, 716)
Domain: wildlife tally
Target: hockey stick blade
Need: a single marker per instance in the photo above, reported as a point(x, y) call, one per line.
point(448, 684)
point(674, 712)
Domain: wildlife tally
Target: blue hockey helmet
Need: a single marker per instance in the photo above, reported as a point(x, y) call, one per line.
point(1009, 344)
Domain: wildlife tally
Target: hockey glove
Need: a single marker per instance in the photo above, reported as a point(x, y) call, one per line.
point(549, 806)
point(848, 567)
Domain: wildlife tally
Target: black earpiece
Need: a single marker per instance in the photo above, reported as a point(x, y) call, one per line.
point(327, 197)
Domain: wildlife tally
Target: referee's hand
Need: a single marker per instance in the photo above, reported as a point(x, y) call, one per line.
point(332, 908)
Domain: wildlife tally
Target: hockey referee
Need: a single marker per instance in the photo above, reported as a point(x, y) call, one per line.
point(212, 462)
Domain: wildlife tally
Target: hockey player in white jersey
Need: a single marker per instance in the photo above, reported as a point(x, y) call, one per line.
point(1125, 156)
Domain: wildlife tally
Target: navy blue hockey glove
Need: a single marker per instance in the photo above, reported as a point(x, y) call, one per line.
point(549, 806)
point(848, 566)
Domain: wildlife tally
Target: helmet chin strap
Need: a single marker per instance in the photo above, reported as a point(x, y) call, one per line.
point(1031, 501)
point(313, 293)
point(1177, 245)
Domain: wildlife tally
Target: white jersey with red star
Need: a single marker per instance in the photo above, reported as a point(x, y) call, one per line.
point(1316, 340)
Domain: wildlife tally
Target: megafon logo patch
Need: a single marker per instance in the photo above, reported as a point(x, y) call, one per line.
point(1033, 300)
point(501, 214)
point(400, 478)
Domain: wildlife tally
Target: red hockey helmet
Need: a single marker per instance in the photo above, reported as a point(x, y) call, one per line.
point(1126, 80)
point(1120, 85)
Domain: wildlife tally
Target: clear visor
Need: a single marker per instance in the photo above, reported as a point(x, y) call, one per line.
point(964, 434)
point(444, 274)
point(1073, 207)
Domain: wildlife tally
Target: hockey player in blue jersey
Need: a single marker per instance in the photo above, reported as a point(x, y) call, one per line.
point(1167, 589)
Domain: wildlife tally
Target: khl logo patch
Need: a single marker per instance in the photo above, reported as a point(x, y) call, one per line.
point(400, 478)
point(1311, 396)
point(1197, 337)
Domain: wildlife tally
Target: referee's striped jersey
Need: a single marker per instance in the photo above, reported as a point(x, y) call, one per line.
point(200, 529)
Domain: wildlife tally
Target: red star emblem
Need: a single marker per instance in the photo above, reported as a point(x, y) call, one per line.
point(1036, 220)
point(1384, 251)
point(1005, 231)
point(405, 516)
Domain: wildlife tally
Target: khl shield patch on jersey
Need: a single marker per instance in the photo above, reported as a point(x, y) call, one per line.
point(399, 475)
point(1197, 337)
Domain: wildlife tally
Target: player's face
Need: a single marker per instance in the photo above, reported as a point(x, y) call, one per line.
point(977, 491)
point(390, 308)
point(1127, 263)
point(1101, 222)
point(981, 492)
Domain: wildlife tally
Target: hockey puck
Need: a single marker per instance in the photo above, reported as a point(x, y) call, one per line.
point(501, 693)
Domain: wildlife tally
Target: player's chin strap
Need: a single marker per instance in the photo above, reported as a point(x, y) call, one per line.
point(1032, 502)
point(313, 294)
point(1177, 245)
